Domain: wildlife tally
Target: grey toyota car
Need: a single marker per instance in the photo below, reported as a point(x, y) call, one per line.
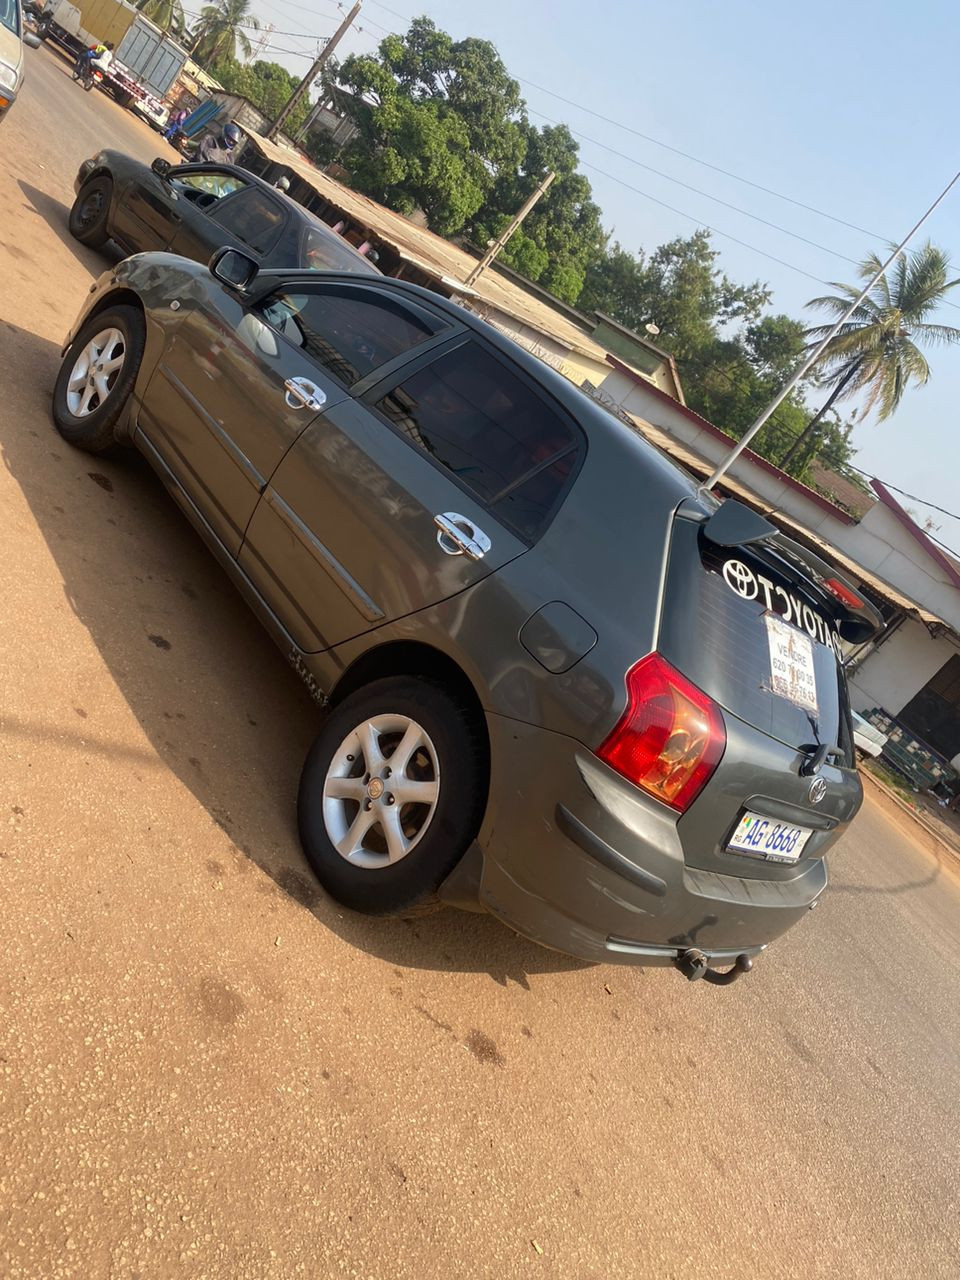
point(556, 681)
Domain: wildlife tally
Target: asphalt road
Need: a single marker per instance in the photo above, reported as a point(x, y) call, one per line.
point(208, 1070)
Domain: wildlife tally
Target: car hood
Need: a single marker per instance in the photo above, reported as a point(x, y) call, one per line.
point(11, 50)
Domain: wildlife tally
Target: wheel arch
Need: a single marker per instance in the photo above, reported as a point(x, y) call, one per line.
point(120, 297)
point(414, 658)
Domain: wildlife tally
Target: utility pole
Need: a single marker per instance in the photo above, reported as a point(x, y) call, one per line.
point(314, 71)
point(812, 359)
point(502, 239)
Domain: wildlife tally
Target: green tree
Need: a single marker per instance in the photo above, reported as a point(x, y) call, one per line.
point(877, 352)
point(167, 14)
point(563, 234)
point(438, 120)
point(678, 287)
point(221, 31)
point(266, 84)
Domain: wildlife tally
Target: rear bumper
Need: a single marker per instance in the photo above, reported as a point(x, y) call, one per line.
point(578, 860)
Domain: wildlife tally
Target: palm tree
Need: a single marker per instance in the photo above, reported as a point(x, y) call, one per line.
point(167, 14)
point(876, 352)
point(220, 32)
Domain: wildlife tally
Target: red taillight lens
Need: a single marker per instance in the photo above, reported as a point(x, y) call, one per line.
point(843, 593)
point(671, 736)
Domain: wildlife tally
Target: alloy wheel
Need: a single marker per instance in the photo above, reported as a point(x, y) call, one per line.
point(95, 372)
point(381, 790)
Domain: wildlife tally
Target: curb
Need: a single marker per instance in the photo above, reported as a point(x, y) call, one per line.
point(952, 849)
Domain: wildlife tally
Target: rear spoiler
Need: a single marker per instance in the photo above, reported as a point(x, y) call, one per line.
point(733, 525)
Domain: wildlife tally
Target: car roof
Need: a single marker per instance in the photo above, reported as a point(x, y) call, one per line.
point(305, 216)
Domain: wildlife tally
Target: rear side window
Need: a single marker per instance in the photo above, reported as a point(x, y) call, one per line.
point(490, 430)
point(350, 332)
point(252, 217)
point(745, 632)
point(326, 250)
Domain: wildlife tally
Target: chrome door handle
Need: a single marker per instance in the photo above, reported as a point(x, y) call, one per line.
point(458, 536)
point(304, 394)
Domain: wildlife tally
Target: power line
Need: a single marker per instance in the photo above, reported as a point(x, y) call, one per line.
point(912, 497)
point(700, 222)
point(875, 235)
point(697, 190)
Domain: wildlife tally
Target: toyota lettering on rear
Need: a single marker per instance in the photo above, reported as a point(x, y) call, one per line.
point(750, 585)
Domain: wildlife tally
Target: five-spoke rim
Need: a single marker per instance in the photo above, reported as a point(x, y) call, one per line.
point(95, 372)
point(381, 791)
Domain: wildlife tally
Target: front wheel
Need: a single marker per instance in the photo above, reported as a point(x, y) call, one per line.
point(90, 211)
point(392, 793)
point(97, 376)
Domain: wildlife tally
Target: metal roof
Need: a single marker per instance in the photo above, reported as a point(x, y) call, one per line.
point(436, 257)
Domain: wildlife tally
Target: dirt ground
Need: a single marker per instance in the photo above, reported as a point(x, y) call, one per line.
point(207, 1069)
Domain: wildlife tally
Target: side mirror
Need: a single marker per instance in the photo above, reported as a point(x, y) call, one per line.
point(233, 268)
point(161, 168)
point(32, 40)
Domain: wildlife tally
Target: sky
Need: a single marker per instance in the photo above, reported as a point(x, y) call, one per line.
point(848, 107)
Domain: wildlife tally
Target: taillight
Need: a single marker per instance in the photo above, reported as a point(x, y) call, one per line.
point(843, 593)
point(670, 738)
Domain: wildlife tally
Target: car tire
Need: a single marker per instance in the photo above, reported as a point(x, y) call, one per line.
point(87, 400)
point(369, 870)
point(89, 212)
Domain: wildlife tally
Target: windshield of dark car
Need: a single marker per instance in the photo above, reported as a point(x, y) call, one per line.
point(325, 251)
point(10, 16)
point(750, 635)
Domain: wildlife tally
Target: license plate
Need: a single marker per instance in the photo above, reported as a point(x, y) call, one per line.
point(766, 838)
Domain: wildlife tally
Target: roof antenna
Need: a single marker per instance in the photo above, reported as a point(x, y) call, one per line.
point(812, 359)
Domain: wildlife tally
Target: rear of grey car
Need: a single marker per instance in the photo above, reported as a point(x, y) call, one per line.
point(676, 799)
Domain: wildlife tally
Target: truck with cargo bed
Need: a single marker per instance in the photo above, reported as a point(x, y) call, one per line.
point(146, 61)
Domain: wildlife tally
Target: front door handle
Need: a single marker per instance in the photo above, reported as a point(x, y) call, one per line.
point(301, 393)
point(458, 536)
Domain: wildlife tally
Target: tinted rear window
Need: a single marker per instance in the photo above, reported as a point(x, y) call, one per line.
point(744, 631)
point(493, 432)
point(324, 250)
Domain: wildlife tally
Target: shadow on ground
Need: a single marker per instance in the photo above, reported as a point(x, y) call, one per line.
point(215, 699)
point(56, 214)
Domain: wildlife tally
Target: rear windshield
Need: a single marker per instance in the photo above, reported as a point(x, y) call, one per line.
point(327, 251)
point(745, 632)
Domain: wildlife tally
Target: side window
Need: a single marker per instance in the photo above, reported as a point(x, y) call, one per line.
point(252, 217)
point(492, 431)
point(350, 332)
point(214, 183)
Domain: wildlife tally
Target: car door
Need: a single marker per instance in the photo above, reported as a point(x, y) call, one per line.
point(248, 218)
point(227, 399)
point(151, 211)
point(408, 492)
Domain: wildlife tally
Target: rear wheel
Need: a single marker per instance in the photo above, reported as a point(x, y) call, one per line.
point(97, 376)
point(391, 795)
point(88, 216)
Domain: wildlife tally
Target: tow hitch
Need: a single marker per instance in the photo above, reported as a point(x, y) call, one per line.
point(693, 964)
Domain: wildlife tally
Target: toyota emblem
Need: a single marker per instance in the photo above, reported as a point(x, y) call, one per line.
point(741, 578)
point(818, 789)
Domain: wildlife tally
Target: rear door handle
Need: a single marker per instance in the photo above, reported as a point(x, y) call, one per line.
point(301, 393)
point(458, 536)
